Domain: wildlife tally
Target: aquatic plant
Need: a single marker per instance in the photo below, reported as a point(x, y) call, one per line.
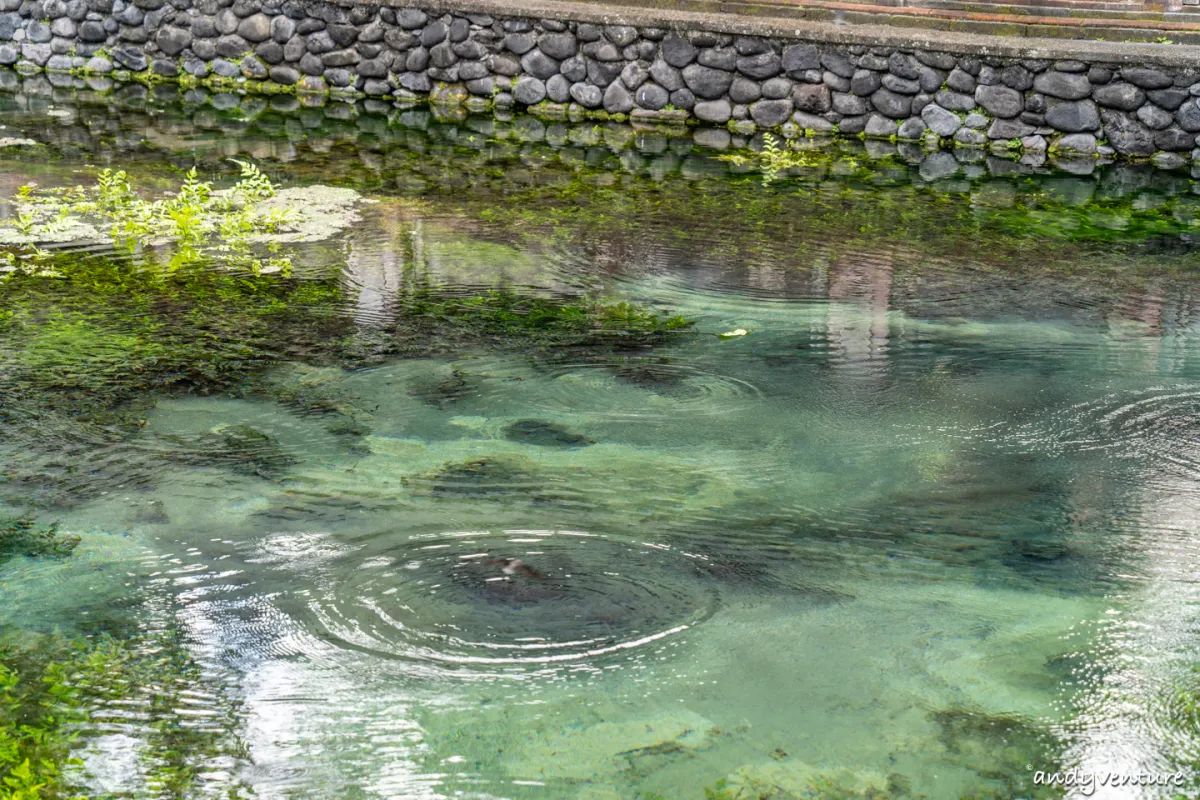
point(24, 537)
point(199, 222)
point(504, 314)
point(999, 748)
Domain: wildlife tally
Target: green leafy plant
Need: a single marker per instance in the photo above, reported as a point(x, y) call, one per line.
point(198, 222)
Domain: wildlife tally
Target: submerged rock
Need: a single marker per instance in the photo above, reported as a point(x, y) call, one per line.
point(442, 393)
point(241, 448)
point(790, 778)
point(544, 434)
point(638, 746)
point(314, 212)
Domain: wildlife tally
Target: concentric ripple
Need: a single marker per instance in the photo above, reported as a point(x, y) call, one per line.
point(609, 387)
point(1158, 426)
point(499, 601)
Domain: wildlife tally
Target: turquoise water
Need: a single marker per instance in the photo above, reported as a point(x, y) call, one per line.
point(927, 528)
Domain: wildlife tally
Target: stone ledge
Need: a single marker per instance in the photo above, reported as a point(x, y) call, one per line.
point(867, 34)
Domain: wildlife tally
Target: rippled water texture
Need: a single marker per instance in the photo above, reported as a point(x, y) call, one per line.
point(928, 527)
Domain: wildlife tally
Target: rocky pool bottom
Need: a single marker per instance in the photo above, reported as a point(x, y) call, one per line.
point(482, 498)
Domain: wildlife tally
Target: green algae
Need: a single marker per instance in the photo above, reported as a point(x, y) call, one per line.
point(505, 315)
point(24, 537)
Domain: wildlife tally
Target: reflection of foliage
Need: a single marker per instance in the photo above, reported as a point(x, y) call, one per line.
point(772, 159)
point(24, 537)
point(52, 690)
point(200, 222)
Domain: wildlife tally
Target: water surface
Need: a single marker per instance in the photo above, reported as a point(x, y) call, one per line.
point(928, 527)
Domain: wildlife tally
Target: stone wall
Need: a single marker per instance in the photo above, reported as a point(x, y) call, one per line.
point(955, 93)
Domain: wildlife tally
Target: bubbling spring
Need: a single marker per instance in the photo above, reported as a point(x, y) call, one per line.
point(511, 601)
